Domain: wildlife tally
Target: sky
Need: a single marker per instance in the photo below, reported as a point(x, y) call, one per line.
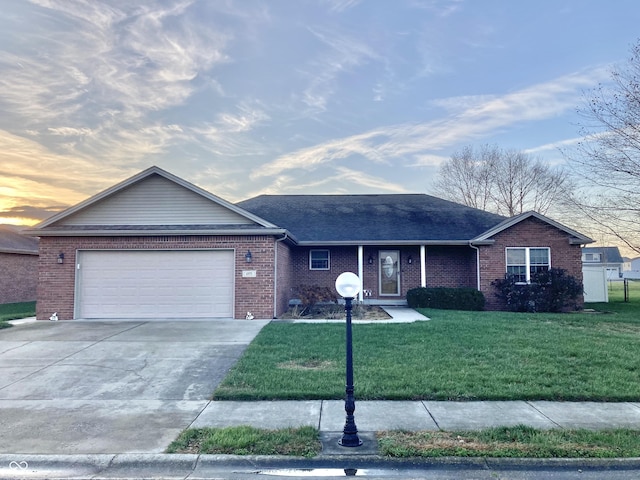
point(250, 97)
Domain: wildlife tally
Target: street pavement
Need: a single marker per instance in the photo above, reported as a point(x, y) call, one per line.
point(103, 399)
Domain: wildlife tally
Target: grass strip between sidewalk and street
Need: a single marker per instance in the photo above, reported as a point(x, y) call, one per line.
point(510, 442)
point(245, 440)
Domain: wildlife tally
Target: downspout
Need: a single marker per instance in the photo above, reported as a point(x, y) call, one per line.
point(275, 275)
point(423, 266)
point(360, 271)
point(477, 263)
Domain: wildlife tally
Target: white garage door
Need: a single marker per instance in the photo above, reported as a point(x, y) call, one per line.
point(155, 284)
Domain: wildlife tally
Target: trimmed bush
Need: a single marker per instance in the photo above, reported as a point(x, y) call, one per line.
point(446, 298)
point(550, 291)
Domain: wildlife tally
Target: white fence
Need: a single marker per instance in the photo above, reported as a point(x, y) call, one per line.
point(594, 279)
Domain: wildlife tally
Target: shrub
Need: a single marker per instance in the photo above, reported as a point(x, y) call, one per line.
point(446, 298)
point(550, 291)
point(309, 295)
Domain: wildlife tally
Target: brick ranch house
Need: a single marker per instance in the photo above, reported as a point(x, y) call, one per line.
point(18, 266)
point(156, 246)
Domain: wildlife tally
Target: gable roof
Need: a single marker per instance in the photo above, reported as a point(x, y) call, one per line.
point(607, 254)
point(154, 189)
point(372, 219)
point(11, 241)
point(575, 238)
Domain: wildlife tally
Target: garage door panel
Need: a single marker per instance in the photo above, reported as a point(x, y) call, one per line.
point(155, 284)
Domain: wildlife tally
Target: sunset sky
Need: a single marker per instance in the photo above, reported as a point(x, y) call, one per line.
point(287, 96)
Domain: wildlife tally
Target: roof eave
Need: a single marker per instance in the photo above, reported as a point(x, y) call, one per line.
point(339, 243)
point(576, 237)
point(18, 251)
point(154, 233)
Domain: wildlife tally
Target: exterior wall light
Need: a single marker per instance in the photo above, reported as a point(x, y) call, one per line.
point(370, 259)
point(348, 285)
point(410, 260)
point(248, 257)
point(61, 257)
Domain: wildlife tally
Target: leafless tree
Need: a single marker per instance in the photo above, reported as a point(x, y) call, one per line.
point(608, 158)
point(507, 182)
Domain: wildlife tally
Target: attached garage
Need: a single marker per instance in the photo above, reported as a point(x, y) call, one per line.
point(155, 284)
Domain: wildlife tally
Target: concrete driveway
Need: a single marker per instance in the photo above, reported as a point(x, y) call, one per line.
point(111, 386)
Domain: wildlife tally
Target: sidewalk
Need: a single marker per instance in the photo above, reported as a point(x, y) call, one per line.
point(372, 416)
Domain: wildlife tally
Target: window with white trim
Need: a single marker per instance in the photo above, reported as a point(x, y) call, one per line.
point(523, 262)
point(319, 259)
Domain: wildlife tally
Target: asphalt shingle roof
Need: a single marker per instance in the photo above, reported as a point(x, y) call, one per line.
point(607, 254)
point(358, 218)
point(13, 242)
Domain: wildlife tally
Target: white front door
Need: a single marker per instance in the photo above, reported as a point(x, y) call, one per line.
point(389, 272)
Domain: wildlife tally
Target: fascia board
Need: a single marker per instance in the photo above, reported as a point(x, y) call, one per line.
point(342, 243)
point(154, 233)
point(578, 237)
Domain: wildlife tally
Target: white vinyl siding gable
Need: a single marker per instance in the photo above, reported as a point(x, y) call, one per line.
point(156, 201)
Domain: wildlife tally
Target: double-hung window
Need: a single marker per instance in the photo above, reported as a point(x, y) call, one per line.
point(524, 262)
point(319, 259)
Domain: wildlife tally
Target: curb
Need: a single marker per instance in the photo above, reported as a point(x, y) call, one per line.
point(113, 466)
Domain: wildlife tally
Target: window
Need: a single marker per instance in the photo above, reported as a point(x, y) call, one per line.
point(319, 259)
point(526, 261)
point(591, 257)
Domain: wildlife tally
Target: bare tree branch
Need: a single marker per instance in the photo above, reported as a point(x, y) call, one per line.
point(507, 182)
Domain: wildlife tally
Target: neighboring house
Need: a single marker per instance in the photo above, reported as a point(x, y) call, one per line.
point(632, 269)
point(18, 266)
point(608, 258)
point(156, 246)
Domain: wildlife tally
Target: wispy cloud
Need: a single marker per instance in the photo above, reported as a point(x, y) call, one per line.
point(345, 53)
point(474, 118)
point(32, 175)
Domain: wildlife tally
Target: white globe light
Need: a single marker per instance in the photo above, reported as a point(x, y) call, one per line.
point(348, 284)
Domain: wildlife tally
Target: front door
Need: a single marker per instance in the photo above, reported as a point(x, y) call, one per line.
point(389, 272)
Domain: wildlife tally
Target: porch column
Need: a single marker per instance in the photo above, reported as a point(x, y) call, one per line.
point(360, 270)
point(423, 266)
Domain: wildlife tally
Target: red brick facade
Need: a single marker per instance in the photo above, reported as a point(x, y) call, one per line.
point(19, 277)
point(446, 266)
point(56, 284)
point(528, 233)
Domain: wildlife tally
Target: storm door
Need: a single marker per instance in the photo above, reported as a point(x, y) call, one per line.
point(389, 272)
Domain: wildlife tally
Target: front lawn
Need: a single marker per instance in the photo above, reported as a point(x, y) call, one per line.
point(12, 311)
point(455, 356)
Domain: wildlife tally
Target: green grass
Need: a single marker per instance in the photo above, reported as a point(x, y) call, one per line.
point(12, 311)
point(514, 442)
point(244, 440)
point(455, 356)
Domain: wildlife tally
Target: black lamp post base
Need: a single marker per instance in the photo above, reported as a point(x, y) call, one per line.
point(350, 440)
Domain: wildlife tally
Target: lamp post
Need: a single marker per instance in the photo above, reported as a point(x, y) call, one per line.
point(348, 286)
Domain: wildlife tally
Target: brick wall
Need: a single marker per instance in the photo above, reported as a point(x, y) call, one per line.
point(18, 277)
point(56, 282)
point(345, 259)
point(451, 267)
point(528, 233)
point(285, 278)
